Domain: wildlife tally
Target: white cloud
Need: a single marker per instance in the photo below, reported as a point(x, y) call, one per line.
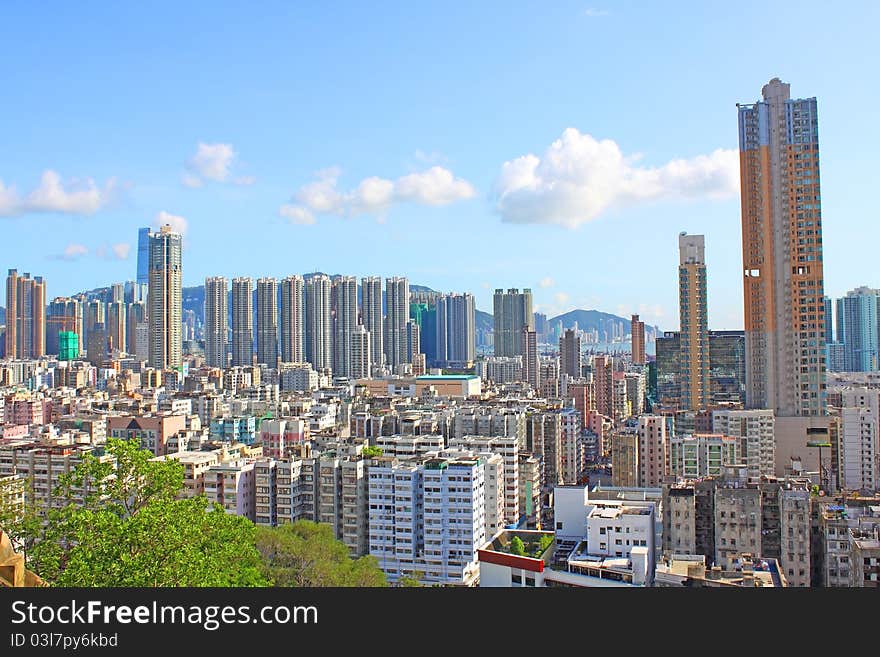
point(297, 215)
point(178, 224)
point(189, 180)
point(213, 162)
point(547, 282)
point(561, 298)
point(596, 13)
point(434, 186)
point(579, 177)
point(74, 251)
point(75, 196)
point(121, 250)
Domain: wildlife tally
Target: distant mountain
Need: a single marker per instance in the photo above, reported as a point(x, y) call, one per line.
point(587, 320)
point(484, 321)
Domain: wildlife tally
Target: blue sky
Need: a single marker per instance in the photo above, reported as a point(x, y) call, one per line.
point(467, 146)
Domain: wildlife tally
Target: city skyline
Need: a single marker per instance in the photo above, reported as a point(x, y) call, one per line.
point(411, 177)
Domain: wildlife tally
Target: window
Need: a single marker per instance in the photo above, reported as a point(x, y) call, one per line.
point(558, 525)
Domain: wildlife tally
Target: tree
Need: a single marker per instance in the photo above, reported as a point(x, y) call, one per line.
point(306, 553)
point(118, 522)
point(372, 452)
point(167, 543)
point(517, 547)
point(412, 580)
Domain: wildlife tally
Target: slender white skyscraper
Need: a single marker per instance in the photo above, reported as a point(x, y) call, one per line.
point(216, 322)
point(396, 317)
point(292, 320)
point(318, 340)
point(360, 353)
point(371, 312)
point(165, 299)
point(242, 322)
point(345, 320)
point(267, 321)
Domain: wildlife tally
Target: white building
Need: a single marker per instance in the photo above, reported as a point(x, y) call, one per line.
point(701, 455)
point(297, 376)
point(858, 454)
point(232, 485)
point(755, 431)
point(428, 515)
point(508, 448)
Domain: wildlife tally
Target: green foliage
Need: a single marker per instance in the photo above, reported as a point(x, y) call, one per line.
point(517, 547)
point(372, 452)
point(167, 543)
point(543, 543)
point(125, 526)
point(412, 580)
point(306, 553)
point(125, 483)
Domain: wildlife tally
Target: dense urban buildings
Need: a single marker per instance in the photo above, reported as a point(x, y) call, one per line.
point(544, 454)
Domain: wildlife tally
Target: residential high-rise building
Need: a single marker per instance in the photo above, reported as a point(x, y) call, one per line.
point(754, 429)
point(570, 354)
point(396, 317)
point(859, 465)
point(653, 450)
point(829, 321)
point(783, 283)
point(857, 324)
point(603, 378)
point(216, 321)
point(529, 351)
point(317, 325)
point(94, 314)
point(143, 256)
point(424, 313)
point(117, 325)
point(512, 313)
point(637, 330)
point(455, 329)
point(64, 315)
point(137, 314)
point(25, 316)
point(242, 322)
point(267, 321)
point(371, 313)
point(693, 315)
point(292, 320)
point(164, 307)
point(344, 309)
point(360, 366)
point(727, 367)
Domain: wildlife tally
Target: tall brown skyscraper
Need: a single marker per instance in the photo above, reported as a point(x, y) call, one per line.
point(637, 330)
point(25, 316)
point(783, 285)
